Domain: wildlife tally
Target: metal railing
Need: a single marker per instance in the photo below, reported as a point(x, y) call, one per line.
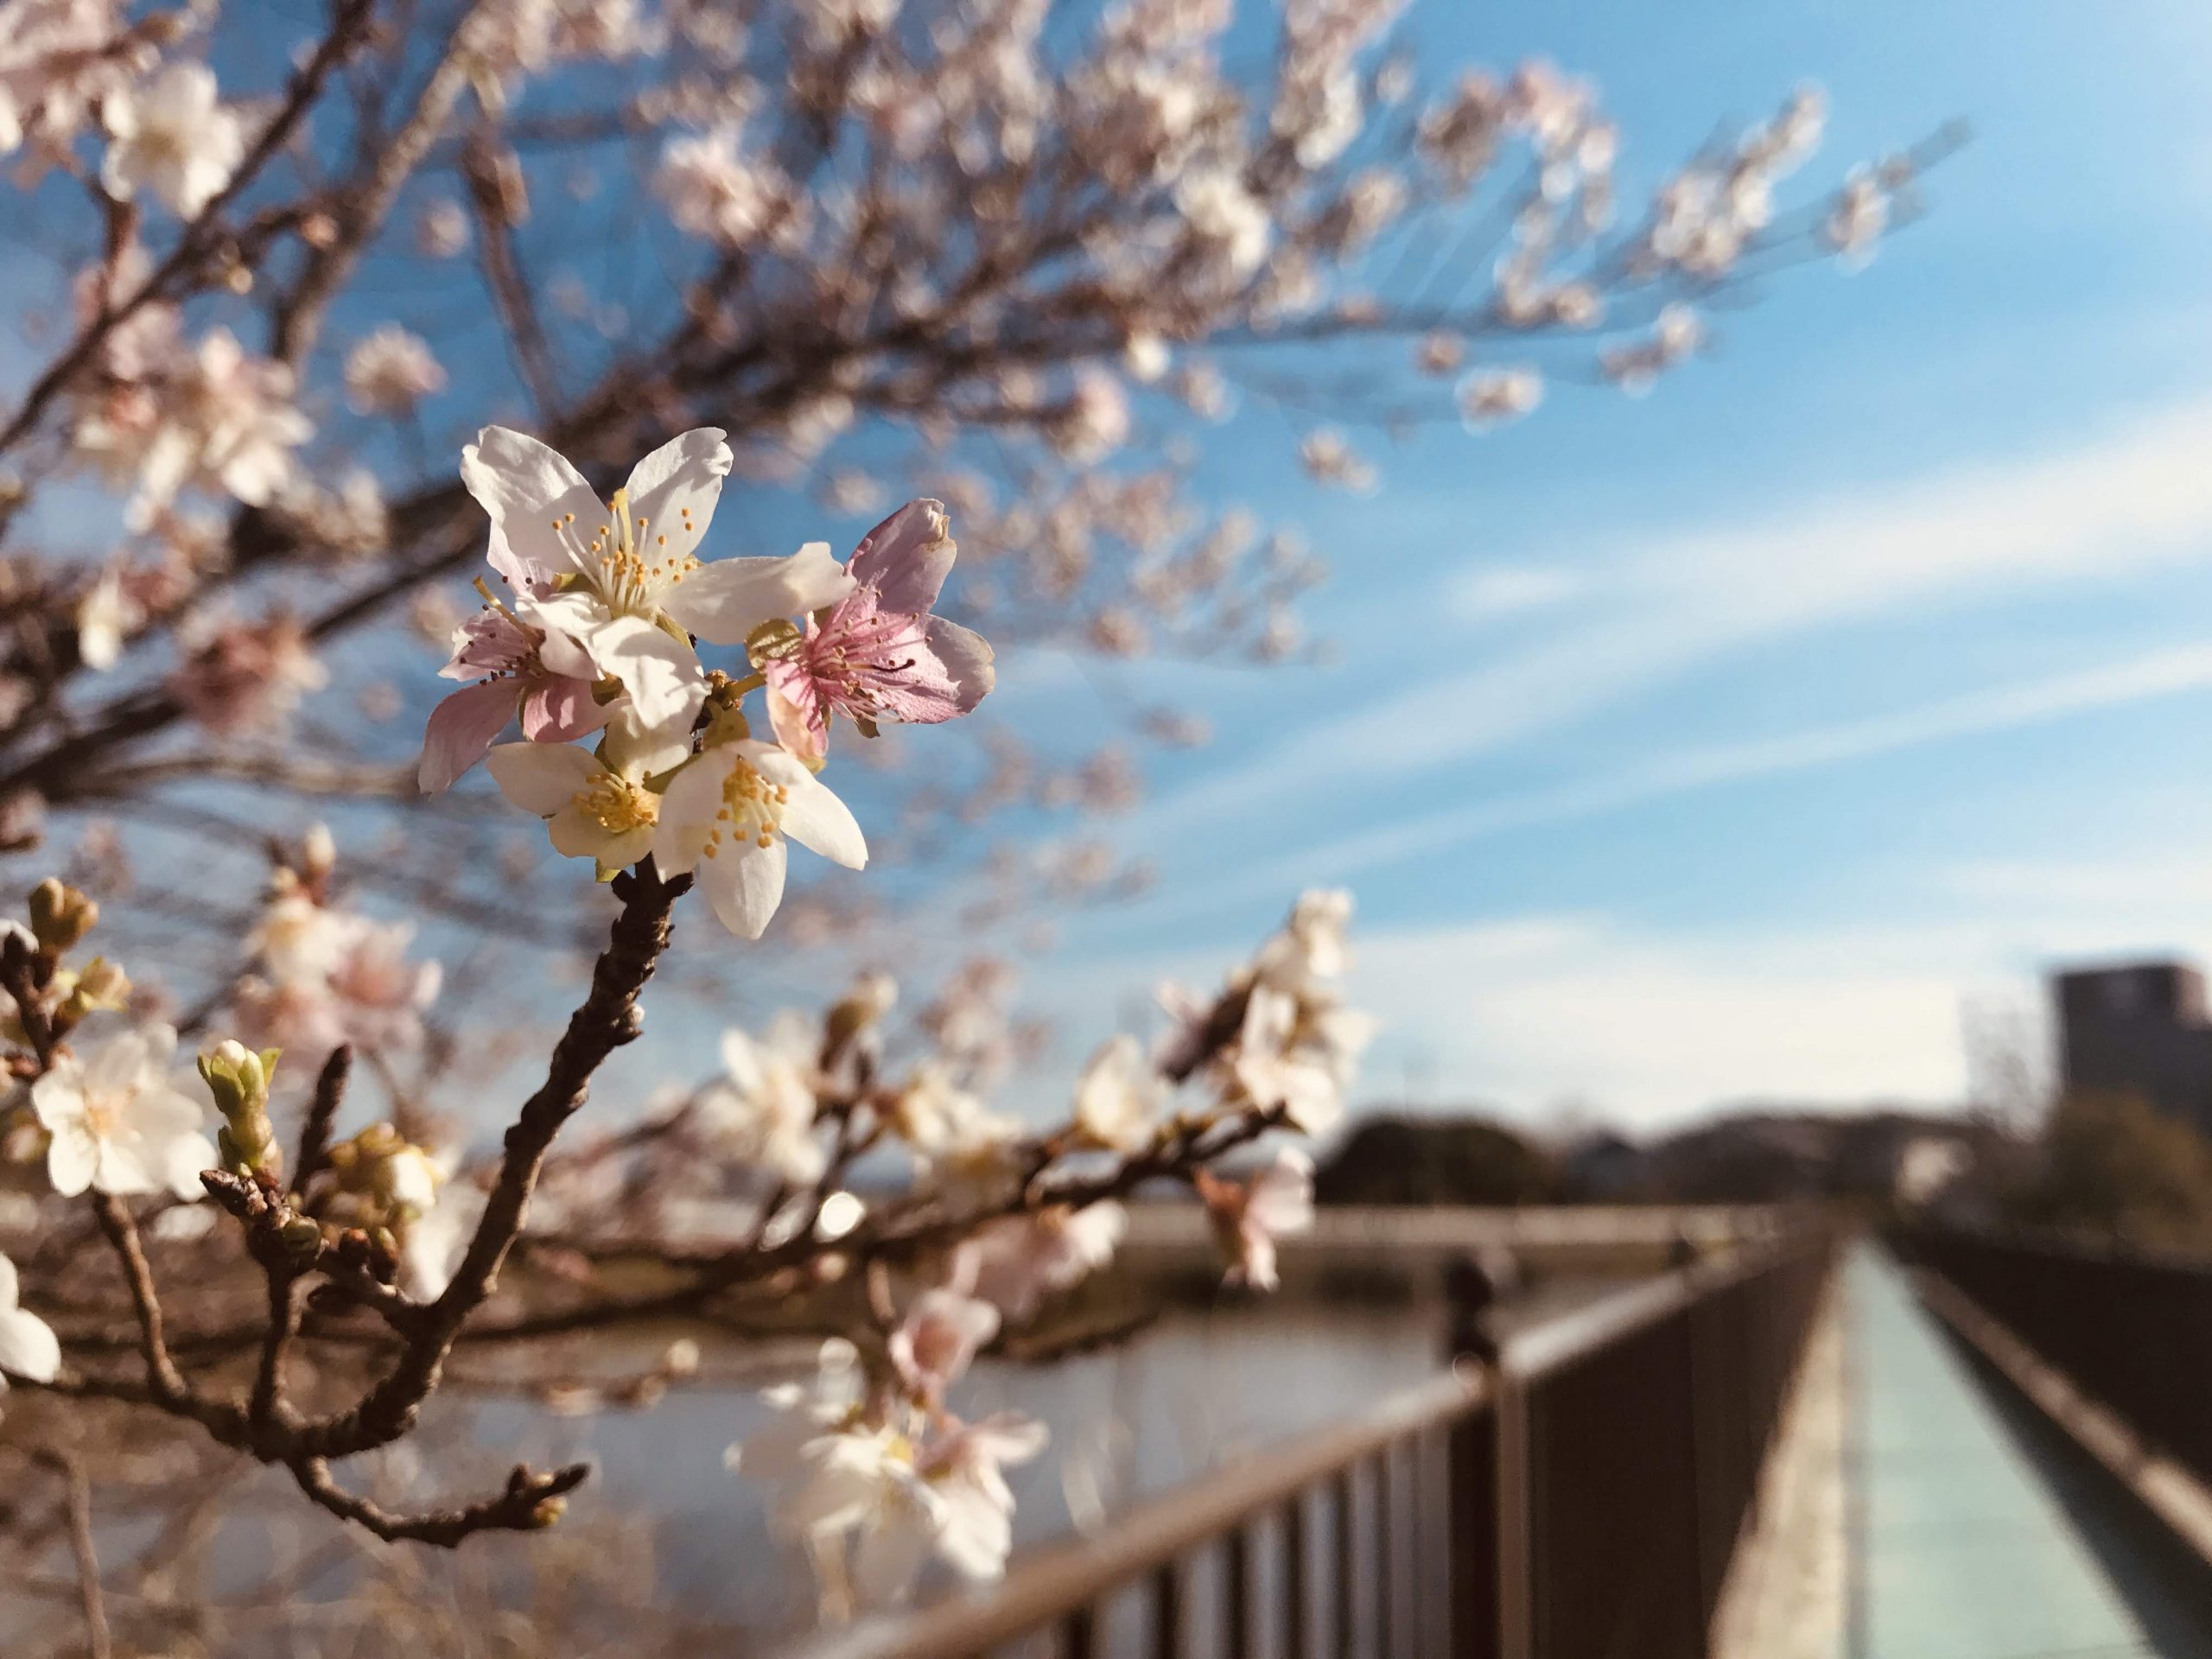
point(1579, 1497)
point(2132, 1329)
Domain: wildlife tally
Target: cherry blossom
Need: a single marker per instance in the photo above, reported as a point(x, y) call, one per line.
point(593, 808)
point(880, 654)
point(1488, 398)
point(28, 1348)
point(391, 372)
point(725, 816)
point(238, 676)
point(962, 1465)
point(636, 561)
point(1118, 1096)
point(173, 138)
point(58, 59)
point(762, 1110)
point(1248, 1216)
point(519, 667)
point(106, 616)
point(212, 417)
point(1020, 1260)
point(713, 188)
point(117, 1123)
point(1311, 944)
point(943, 1332)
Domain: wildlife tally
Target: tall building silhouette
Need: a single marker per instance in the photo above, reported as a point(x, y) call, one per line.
point(2142, 1028)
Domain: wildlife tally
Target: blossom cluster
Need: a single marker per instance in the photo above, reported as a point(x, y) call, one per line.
point(323, 974)
point(872, 1473)
point(606, 606)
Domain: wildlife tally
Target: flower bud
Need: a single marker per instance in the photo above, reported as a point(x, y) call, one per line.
point(60, 916)
point(548, 1511)
point(99, 986)
point(872, 996)
point(238, 1078)
point(302, 1237)
point(318, 853)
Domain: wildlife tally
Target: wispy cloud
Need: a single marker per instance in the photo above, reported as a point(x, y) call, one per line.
point(2001, 709)
point(1633, 616)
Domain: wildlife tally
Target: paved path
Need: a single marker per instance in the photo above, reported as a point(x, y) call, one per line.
point(1968, 1541)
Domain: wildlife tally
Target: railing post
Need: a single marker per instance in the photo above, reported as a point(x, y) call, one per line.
point(1516, 1561)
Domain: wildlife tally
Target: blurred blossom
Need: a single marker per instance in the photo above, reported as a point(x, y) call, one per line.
point(171, 137)
point(238, 676)
point(391, 372)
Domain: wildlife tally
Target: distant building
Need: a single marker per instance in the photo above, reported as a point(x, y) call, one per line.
point(2140, 1029)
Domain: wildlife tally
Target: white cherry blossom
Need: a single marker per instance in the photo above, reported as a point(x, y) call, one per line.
point(392, 370)
point(597, 809)
point(172, 137)
point(1118, 1096)
point(637, 560)
point(28, 1348)
point(117, 1123)
point(726, 815)
point(762, 1110)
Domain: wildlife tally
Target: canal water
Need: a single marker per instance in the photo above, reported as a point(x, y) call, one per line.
point(1194, 1391)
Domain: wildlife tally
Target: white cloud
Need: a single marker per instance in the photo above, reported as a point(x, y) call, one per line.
point(1656, 607)
point(1528, 1014)
point(2138, 679)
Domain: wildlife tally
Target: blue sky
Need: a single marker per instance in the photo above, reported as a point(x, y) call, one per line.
point(1722, 744)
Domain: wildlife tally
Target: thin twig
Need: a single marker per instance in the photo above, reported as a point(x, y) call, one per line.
point(98, 1644)
point(607, 1018)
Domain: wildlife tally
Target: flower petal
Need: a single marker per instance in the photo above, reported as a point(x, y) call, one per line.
point(687, 811)
point(967, 656)
point(128, 1168)
point(817, 820)
point(541, 777)
point(29, 1346)
point(724, 601)
point(526, 486)
point(685, 473)
point(795, 710)
point(526, 576)
point(183, 1159)
point(73, 1156)
point(744, 882)
point(461, 728)
point(558, 709)
point(906, 557)
point(661, 673)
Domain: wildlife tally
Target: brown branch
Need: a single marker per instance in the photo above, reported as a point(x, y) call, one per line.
point(98, 1642)
point(322, 1114)
point(205, 236)
point(162, 1376)
point(531, 1502)
point(504, 279)
point(366, 205)
point(607, 1018)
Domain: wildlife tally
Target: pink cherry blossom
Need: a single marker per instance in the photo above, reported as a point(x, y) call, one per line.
point(518, 667)
point(939, 1339)
point(880, 654)
point(1248, 1216)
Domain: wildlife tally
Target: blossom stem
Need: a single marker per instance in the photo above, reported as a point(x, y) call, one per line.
point(605, 1020)
point(162, 1374)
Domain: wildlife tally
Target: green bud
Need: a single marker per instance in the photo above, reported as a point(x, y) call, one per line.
point(547, 1511)
point(60, 916)
point(302, 1236)
point(239, 1079)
